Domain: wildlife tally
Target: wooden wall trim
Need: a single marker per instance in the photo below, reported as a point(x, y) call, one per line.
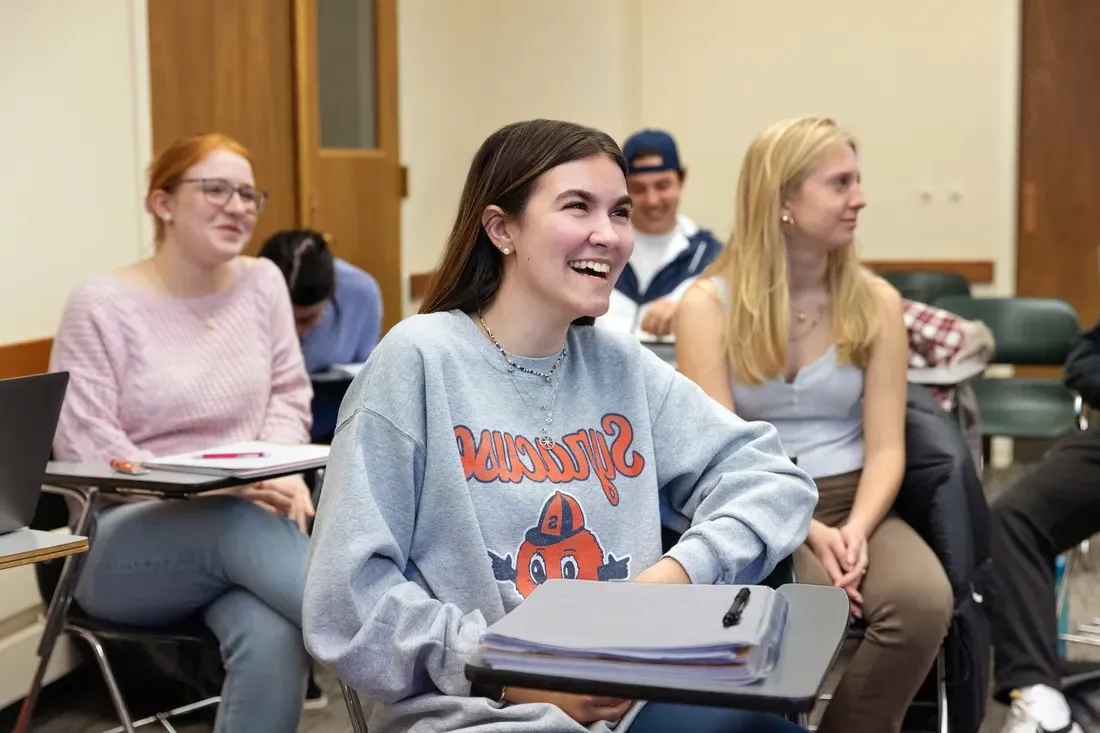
point(25, 358)
point(418, 284)
point(978, 272)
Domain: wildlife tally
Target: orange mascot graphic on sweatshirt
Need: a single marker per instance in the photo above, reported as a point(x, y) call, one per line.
point(559, 546)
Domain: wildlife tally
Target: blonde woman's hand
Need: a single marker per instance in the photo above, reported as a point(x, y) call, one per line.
point(827, 544)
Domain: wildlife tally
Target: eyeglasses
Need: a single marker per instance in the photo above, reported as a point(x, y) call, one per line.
point(219, 192)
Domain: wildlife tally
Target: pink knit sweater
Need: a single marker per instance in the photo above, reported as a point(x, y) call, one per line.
point(152, 375)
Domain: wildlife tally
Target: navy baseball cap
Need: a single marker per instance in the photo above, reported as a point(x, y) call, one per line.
point(647, 143)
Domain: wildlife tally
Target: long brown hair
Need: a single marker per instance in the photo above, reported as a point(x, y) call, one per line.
point(754, 263)
point(504, 173)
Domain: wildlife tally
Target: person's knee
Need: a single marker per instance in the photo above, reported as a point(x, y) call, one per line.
point(253, 636)
point(241, 526)
point(920, 611)
point(1012, 522)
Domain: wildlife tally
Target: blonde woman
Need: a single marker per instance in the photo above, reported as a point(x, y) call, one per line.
point(786, 327)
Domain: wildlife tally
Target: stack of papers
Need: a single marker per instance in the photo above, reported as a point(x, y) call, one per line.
point(244, 460)
point(639, 633)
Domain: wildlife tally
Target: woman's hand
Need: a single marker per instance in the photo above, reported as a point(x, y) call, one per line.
point(855, 553)
point(287, 496)
point(666, 570)
point(829, 546)
point(296, 495)
point(585, 709)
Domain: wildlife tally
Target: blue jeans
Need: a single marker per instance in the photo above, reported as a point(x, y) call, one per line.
point(657, 717)
point(239, 568)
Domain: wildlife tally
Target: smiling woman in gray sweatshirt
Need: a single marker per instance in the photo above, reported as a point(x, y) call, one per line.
point(463, 475)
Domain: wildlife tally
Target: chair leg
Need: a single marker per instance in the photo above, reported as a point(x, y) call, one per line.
point(163, 718)
point(108, 677)
point(355, 709)
point(942, 719)
point(57, 611)
point(26, 710)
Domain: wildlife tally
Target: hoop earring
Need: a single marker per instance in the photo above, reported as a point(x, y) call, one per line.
point(506, 251)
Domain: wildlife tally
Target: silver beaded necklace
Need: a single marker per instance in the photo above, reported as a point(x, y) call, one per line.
point(545, 438)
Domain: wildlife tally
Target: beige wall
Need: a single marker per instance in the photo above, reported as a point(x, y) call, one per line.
point(74, 137)
point(469, 67)
point(931, 91)
point(929, 88)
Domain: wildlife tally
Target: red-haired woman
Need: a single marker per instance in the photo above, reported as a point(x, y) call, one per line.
point(193, 347)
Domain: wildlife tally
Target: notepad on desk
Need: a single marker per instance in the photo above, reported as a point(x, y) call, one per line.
point(639, 633)
point(243, 460)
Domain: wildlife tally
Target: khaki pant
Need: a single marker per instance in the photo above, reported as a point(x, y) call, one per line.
point(907, 606)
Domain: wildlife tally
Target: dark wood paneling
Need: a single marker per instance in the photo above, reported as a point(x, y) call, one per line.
point(978, 272)
point(1059, 168)
point(228, 66)
point(354, 195)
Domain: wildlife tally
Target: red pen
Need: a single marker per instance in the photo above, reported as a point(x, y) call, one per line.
point(221, 456)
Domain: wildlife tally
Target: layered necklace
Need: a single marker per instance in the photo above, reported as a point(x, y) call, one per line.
point(802, 330)
point(545, 438)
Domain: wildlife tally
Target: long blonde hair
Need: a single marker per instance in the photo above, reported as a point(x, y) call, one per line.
point(754, 263)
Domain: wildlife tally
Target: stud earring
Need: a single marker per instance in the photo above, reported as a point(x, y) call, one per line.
point(507, 251)
point(786, 219)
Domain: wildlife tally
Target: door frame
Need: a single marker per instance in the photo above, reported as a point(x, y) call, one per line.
point(307, 106)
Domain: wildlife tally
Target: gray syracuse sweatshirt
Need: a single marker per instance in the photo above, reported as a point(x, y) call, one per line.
point(441, 510)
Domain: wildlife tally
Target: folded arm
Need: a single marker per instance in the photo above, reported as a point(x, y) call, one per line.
point(748, 505)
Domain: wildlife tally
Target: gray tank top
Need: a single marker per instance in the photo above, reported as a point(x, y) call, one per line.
point(819, 415)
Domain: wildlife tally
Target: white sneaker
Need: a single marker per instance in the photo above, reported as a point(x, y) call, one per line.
point(1021, 719)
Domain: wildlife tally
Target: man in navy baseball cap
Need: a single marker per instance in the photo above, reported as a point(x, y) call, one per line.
point(670, 250)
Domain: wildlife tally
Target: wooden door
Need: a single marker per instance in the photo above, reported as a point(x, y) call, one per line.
point(1059, 168)
point(350, 179)
point(228, 66)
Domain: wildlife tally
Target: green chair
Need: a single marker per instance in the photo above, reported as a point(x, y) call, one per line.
point(1027, 332)
point(925, 286)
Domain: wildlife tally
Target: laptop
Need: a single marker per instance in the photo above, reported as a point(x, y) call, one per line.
point(29, 410)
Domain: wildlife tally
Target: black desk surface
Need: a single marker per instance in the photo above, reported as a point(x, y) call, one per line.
point(158, 483)
point(817, 620)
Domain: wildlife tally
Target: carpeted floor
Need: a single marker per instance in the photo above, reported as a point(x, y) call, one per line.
point(79, 703)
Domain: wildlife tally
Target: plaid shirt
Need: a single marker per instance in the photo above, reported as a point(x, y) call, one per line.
point(935, 336)
point(934, 339)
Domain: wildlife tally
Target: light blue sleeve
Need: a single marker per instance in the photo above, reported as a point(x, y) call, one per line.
point(363, 617)
point(371, 303)
point(745, 506)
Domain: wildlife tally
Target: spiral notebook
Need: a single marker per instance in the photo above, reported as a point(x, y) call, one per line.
point(640, 633)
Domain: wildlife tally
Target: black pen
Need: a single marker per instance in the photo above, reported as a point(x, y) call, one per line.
point(733, 616)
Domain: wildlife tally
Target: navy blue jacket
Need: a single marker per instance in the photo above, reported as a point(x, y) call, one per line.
point(702, 248)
